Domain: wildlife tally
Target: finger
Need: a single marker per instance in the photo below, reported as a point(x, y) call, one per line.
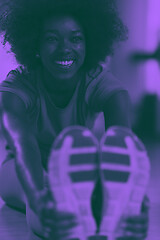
point(47, 233)
point(67, 225)
point(140, 230)
point(126, 238)
point(127, 235)
point(137, 228)
point(145, 205)
point(50, 213)
point(60, 225)
point(131, 238)
point(59, 235)
point(47, 212)
point(51, 205)
point(63, 225)
point(49, 223)
point(140, 219)
point(135, 236)
point(65, 216)
point(62, 222)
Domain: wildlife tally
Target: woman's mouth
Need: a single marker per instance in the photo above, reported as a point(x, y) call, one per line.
point(64, 64)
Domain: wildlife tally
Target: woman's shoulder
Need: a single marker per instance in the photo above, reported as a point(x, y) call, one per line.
point(101, 84)
point(20, 83)
point(103, 75)
point(20, 77)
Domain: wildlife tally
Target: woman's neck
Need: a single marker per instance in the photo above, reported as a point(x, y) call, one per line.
point(59, 86)
point(61, 92)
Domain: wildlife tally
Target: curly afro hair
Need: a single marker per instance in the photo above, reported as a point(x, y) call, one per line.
point(21, 22)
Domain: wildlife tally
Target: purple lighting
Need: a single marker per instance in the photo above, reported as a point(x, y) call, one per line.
point(7, 61)
point(152, 70)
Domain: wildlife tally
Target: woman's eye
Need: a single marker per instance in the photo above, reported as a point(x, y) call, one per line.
point(52, 39)
point(77, 39)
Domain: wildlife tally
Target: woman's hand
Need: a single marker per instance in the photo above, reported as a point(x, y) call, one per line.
point(56, 225)
point(136, 227)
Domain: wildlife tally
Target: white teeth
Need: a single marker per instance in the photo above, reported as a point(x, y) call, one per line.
point(65, 63)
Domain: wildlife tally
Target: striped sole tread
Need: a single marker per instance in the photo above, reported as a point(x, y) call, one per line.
point(73, 171)
point(125, 174)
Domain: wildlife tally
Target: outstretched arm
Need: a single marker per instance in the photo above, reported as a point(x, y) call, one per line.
point(20, 135)
point(117, 112)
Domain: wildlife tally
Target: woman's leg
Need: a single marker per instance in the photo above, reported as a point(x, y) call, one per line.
point(12, 193)
point(34, 224)
point(10, 188)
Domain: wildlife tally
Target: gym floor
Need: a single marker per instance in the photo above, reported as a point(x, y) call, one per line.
point(13, 224)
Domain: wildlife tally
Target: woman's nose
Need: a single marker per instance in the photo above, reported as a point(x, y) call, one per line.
point(65, 46)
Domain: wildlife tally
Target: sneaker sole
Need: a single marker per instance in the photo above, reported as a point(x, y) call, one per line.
point(72, 168)
point(125, 171)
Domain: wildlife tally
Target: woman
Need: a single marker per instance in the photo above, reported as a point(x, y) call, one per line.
point(60, 45)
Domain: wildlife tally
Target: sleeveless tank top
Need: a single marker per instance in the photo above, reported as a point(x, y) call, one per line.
point(84, 108)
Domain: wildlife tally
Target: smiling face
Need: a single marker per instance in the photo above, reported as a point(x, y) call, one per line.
point(62, 47)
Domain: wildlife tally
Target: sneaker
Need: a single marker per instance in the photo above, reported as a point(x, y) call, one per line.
point(73, 173)
point(125, 171)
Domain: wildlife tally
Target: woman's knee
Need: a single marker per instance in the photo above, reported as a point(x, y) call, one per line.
point(10, 188)
point(34, 223)
point(12, 193)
